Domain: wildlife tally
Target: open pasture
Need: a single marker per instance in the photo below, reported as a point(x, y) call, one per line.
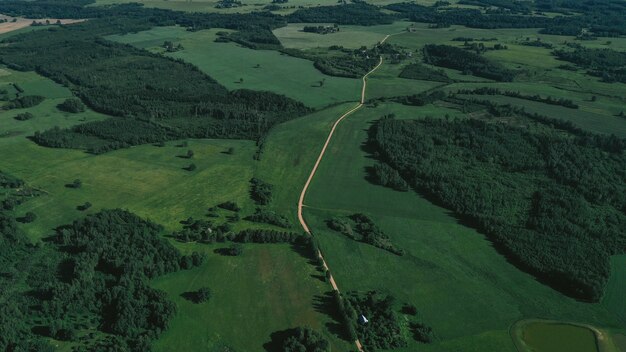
point(237, 67)
point(267, 289)
point(351, 37)
point(461, 285)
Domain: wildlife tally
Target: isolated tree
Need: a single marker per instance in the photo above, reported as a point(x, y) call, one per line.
point(189, 154)
point(75, 184)
point(230, 151)
point(30, 217)
point(191, 167)
point(305, 340)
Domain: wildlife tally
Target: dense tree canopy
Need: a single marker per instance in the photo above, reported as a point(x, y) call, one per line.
point(553, 203)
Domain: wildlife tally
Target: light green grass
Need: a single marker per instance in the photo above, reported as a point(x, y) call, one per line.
point(615, 297)
point(229, 62)
point(461, 286)
point(268, 288)
point(352, 37)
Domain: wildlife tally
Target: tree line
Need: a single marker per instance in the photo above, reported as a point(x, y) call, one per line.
point(552, 202)
point(465, 61)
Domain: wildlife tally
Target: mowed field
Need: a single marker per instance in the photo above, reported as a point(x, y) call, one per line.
point(267, 289)
point(460, 284)
point(237, 67)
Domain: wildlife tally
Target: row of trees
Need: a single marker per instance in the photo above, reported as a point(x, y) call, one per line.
point(608, 64)
point(568, 103)
point(362, 228)
point(553, 202)
point(468, 62)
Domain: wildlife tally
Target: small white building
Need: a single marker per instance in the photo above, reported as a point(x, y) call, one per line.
point(363, 320)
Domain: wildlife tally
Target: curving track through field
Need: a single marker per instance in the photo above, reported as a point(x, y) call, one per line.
point(303, 223)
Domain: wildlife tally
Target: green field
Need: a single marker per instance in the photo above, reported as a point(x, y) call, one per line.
point(614, 298)
point(269, 288)
point(229, 62)
point(551, 337)
point(150, 181)
point(460, 284)
point(352, 37)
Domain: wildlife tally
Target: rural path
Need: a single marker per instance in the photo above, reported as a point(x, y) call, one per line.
point(317, 163)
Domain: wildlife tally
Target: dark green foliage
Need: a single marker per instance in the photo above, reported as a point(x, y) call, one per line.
point(191, 167)
point(385, 175)
point(606, 63)
point(97, 267)
point(602, 17)
point(269, 217)
point(321, 29)
point(84, 206)
point(234, 250)
point(383, 331)
point(75, 184)
point(363, 229)
point(350, 14)
point(305, 340)
point(159, 98)
point(422, 333)
point(568, 103)
point(422, 72)
point(409, 309)
point(260, 191)
point(201, 295)
point(468, 62)
point(10, 181)
point(113, 254)
point(27, 101)
point(24, 116)
point(72, 105)
point(29, 217)
point(232, 206)
point(421, 99)
point(553, 203)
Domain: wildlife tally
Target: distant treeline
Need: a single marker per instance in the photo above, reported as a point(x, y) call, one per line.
point(608, 64)
point(602, 17)
point(158, 98)
point(347, 14)
point(465, 61)
point(423, 72)
point(568, 103)
point(553, 203)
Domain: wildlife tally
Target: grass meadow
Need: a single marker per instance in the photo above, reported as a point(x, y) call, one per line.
point(460, 284)
point(268, 288)
point(237, 67)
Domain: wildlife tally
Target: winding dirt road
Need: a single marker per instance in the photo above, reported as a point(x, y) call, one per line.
point(317, 163)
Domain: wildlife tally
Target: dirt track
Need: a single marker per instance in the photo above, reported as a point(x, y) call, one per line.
point(317, 163)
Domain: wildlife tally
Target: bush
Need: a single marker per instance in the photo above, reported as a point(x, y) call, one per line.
point(232, 206)
point(24, 116)
point(72, 105)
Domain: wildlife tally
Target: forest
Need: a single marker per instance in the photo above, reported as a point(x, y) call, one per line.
point(465, 61)
point(423, 72)
point(93, 276)
point(601, 17)
point(552, 202)
point(347, 14)
point(156, 98)
point(608, 64)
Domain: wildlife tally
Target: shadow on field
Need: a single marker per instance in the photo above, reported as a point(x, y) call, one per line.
point(277, 340)
point(326, 304)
